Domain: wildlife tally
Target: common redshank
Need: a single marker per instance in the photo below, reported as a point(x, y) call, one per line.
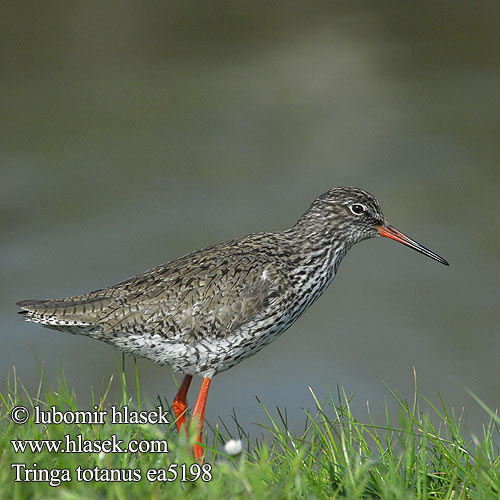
point(207, 311)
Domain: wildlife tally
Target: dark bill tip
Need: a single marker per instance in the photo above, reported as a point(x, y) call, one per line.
point(391, 232)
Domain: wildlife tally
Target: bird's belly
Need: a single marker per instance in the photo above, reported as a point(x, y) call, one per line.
point(203, 356)
point(209, 354)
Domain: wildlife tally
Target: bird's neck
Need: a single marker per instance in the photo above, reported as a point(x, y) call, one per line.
point(319, 253)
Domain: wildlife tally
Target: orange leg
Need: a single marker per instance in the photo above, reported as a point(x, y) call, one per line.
point(179, 404)
point(198, 416)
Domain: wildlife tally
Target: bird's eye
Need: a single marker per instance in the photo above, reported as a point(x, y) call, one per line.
point(357, 209)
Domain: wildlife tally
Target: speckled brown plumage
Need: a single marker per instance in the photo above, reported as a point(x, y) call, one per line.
point(205, 312)
point(209, 310)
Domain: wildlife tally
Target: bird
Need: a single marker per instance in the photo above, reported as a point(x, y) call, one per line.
point(207, 311)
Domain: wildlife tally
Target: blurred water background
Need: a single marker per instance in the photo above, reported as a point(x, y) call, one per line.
point(134, 132)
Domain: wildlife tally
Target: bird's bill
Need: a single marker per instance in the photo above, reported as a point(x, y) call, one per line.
point(391, 232)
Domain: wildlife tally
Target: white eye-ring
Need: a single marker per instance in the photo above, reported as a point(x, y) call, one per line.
point(357, 209)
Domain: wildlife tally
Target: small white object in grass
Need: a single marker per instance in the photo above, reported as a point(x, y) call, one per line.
point(233, 447)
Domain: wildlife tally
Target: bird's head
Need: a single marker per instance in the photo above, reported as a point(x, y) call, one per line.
point(353, 215)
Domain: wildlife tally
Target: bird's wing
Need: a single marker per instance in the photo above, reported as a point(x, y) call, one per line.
point(198, 298)
point(206, 293)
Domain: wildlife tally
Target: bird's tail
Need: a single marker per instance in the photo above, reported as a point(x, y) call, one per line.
point(62, 312)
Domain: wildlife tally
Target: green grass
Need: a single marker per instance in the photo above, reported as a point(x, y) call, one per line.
point(335, 457)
